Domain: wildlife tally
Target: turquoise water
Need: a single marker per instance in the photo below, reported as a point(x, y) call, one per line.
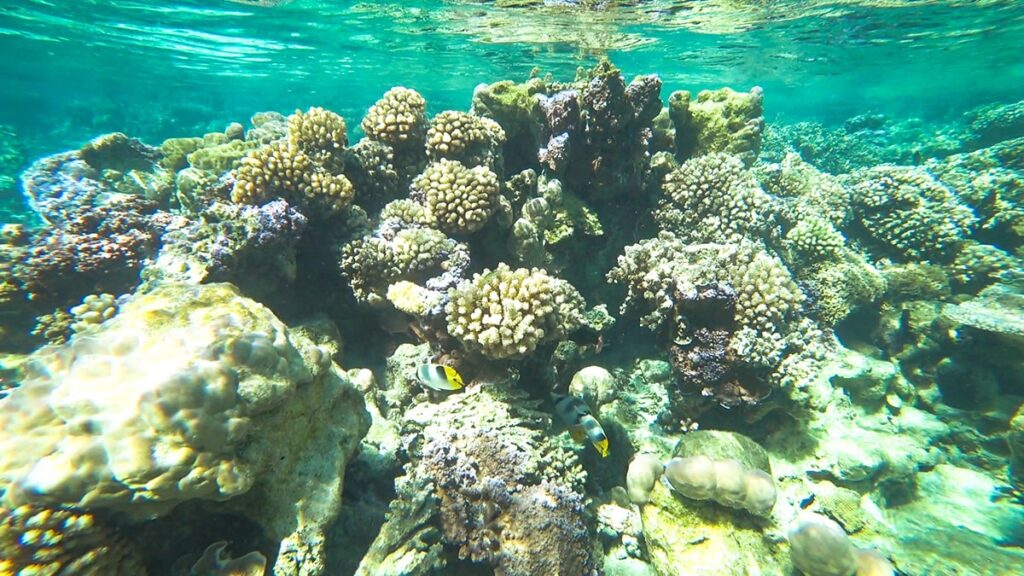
point(329, 288)
point(164, 69)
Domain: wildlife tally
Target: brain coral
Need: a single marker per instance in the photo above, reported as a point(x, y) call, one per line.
point(507, 313)
point(713, 198)
point(910, 212)
point(460, 199)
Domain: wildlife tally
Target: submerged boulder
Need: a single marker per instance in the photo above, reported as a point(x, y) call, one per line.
point(189, 393)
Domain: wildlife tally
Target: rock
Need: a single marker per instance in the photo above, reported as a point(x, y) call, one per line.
point(189, 393)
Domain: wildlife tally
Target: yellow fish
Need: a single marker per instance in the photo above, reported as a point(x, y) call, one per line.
point(575, 414)
point(439, 377)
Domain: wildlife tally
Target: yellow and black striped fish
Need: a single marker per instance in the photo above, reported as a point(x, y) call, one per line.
point(439, 377)
point(575, 414)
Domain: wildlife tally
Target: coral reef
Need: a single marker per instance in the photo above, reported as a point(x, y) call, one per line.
point(712, 198)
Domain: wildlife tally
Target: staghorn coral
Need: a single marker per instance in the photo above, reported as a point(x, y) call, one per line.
point(460, 199)
point(63, 542)
point(507, 313)
point(713, 198)
point(718, 121)
point(910, 213)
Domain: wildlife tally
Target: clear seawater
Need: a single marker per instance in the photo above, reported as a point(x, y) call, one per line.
point(71, 70)
point(162, 69)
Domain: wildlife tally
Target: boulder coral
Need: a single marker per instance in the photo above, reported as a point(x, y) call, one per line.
point(188, 393)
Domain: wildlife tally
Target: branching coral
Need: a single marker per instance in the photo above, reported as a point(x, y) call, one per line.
point(301, 169)
point(470, 139)
point(507, 313)
point(911, 213)
point(39, 540)
point(767, 299)
point(460, 199)
point(813, 240)
point(317, 131)
point(373, 263)
point(397, 119)
point(805, 191)
point(370, 165)
point(713, 198)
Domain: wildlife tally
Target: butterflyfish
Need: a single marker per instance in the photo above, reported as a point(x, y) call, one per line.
point(439, 377)
point(575, 414)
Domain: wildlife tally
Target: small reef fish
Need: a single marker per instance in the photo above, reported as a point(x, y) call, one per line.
point(439, 377)
point(575, 414)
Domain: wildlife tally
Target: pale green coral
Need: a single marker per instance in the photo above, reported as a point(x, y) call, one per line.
point(507, 313)
point(813, 240)
point(713, 198)
point(460, 199)
point(317, 131)
point(407, 212)
point(718, 121)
